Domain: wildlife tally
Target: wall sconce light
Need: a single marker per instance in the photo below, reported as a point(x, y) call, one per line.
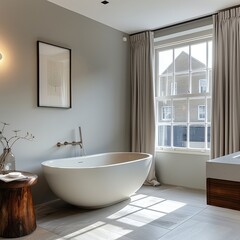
point(1, 56)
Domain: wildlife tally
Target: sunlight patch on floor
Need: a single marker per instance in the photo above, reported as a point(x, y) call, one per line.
point(141, 211)
point(142, 217)
point(84, 230)
point(124, 212)
point(99, 230)
point(167, 206)
point(147, 202)
point(135, 197)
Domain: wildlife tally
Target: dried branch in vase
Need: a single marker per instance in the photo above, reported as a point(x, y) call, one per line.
point(9, 142)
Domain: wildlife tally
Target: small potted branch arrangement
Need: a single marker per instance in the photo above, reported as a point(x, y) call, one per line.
point(7, 159)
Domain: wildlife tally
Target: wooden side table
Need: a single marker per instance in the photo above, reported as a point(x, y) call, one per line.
point(17, 214)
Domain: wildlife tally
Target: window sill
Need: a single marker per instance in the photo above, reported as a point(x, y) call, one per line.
point(183, 151)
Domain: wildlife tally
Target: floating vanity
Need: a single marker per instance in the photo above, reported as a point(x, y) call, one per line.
point(223, 181)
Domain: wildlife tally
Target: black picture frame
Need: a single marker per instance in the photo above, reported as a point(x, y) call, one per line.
point(54, 75)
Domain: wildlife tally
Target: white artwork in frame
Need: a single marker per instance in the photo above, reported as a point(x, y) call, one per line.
point(54, 75)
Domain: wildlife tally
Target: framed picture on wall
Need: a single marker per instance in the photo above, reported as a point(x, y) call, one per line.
point(54, 75)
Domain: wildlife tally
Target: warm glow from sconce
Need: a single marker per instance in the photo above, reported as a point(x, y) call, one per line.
point(5, 53)
point(2, 61)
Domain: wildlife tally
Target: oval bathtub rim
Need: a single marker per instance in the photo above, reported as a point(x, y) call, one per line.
point(148, 155)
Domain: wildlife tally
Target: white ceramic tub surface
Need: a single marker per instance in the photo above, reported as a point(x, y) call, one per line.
point(97, 180)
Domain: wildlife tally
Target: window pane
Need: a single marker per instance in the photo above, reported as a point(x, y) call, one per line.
point(164, 135)
point(199, 56)
point(196, 110)
point(179, 136)
point(209, 107)
point(210, 80)
point(199, 82)
point(182, 84)
point(165, 62)
point(166, 86)
point(197, 136)
point(180, 110)
point(208, 137)
point(164, 111)
point(210, 54)
point(181, 59)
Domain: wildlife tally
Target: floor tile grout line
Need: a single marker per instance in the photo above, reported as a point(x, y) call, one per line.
point(170, 230)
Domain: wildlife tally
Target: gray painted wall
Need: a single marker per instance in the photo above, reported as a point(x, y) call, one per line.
point(100, 85)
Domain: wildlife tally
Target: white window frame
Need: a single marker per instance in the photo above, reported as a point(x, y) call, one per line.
point(173, 88)
point(188, 96)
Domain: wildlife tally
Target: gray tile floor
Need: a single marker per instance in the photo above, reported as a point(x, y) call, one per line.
point(153, 213)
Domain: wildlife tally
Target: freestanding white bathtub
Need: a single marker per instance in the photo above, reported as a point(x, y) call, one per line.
point(97, 180)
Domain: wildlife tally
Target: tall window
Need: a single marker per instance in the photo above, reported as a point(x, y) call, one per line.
point(183, 94)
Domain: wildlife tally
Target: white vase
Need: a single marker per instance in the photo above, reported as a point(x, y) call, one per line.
point(7, 160)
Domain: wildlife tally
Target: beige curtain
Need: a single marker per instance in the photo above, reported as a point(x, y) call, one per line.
point(142, 98)
point(225, 136)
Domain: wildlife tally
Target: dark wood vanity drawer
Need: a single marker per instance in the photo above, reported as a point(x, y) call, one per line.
point(223, 193)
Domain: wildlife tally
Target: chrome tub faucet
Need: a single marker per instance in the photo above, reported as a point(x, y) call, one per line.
point(73, 143)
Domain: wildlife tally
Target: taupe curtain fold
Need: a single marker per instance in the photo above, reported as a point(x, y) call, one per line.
point(142, 98)
point(225, 135)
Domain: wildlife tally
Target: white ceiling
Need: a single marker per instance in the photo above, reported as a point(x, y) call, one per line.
point(131, 16)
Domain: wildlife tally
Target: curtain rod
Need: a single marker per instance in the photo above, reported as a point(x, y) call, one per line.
point(176, 24)
point(188, 21)
point(184, 22)
point(229, 8)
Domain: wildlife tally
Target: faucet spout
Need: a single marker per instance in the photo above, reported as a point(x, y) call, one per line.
point(81, 141)
point(80, 136)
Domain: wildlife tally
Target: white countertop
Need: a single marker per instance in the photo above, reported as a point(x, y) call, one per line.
point(226, 167)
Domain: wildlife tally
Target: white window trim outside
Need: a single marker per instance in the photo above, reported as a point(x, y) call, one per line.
point(201, 110)
point(167, 113)
point(203, 84)
point(173, 88)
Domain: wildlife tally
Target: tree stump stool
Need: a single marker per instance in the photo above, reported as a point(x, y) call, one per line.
point(17, 214)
